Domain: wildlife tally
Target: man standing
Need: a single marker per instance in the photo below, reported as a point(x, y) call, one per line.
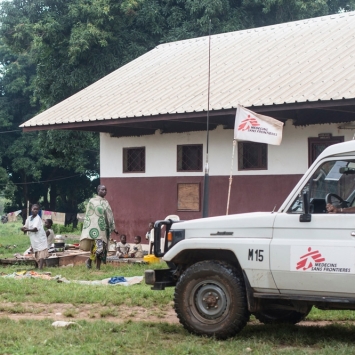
point(98, 226)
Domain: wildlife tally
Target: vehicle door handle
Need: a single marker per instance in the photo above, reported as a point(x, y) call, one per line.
point(353, 234)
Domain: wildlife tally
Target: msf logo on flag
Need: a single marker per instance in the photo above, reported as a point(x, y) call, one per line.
point(248, 123)
point(309, 259)
point(253, 127)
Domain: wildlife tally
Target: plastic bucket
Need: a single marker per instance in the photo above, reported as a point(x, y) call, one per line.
point(151, 258)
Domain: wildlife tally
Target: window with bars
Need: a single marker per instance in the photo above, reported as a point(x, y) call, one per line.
point(134, 160)
point(317, 145)
point(252, 156)
point(189, 157)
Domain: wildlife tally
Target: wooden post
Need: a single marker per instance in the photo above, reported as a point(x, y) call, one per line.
point(231, 176)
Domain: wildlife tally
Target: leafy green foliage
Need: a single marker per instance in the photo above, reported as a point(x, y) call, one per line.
point(60, 229)
point(17, 157)
point(275, 11)
point(73, 43)
point(35, 165)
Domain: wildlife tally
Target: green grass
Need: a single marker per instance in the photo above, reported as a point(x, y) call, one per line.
point(319, 315)
point(13, 240)
point(10, 235)
point(100, 337)
point(70, 313)
point(51, 292)
point(44, 291)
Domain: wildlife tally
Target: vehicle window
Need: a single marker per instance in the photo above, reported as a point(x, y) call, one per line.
point(336, 177)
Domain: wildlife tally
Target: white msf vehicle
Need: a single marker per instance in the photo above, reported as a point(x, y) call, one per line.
point(274, 265)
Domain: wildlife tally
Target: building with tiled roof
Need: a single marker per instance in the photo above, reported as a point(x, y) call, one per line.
point(151, 115)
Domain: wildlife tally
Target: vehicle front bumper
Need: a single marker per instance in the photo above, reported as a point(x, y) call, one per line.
point(160, 278)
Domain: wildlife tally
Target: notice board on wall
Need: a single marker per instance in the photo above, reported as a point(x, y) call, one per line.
point(188, 197)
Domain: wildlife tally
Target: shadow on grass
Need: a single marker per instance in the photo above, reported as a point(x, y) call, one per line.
point(298, 335)
point(284, 335)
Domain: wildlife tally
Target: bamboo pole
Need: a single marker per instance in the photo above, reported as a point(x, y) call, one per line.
point(206, 178)
point(231, 176)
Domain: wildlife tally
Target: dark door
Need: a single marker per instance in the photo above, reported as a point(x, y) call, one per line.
point(317, 145)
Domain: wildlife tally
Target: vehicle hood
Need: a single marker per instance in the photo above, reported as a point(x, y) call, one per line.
point(245, 225)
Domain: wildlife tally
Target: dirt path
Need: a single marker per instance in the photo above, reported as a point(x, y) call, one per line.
point(63, 311)
point(70, 312)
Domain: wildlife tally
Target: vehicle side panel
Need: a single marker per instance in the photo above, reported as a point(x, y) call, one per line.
point(252, 255)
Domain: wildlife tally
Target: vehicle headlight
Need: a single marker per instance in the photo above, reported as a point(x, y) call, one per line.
point(175, 236)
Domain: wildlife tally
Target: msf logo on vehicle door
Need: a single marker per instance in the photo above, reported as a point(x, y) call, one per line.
point(309, 260)
point(322, 259)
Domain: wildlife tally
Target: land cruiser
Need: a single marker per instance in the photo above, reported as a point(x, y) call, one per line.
point(275, 265)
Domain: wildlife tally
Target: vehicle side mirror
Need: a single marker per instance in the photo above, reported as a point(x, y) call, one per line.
point(306, 216)
point(346, 170)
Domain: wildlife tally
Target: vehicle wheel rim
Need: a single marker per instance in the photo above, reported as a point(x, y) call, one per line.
point(209, 300)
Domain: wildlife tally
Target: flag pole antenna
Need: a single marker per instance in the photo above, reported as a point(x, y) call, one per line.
point(206, 179)
point(231, 177)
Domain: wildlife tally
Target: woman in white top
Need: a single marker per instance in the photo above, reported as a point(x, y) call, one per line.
point(34, 227)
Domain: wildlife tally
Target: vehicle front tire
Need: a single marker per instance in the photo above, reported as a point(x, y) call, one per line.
point(210, 299)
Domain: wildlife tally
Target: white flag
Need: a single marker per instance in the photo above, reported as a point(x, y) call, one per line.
point(250, 126)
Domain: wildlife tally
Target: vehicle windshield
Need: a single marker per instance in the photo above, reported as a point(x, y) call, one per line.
point(333, 177)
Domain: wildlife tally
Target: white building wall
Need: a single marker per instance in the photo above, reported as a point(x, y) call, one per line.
point(291, 157)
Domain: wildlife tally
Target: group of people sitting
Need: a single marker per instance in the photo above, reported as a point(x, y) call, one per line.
point(125, 250)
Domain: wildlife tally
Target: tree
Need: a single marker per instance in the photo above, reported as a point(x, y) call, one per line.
point(72, 42)
point(28, 158)
point(268, 12)
point(16, 78)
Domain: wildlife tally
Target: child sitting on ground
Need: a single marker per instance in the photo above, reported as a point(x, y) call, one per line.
point(49, 232)
point(123, 247)
point(137, 250)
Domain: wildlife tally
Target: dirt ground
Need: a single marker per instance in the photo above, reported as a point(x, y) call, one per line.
point(70, 312)
point(60, 311)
